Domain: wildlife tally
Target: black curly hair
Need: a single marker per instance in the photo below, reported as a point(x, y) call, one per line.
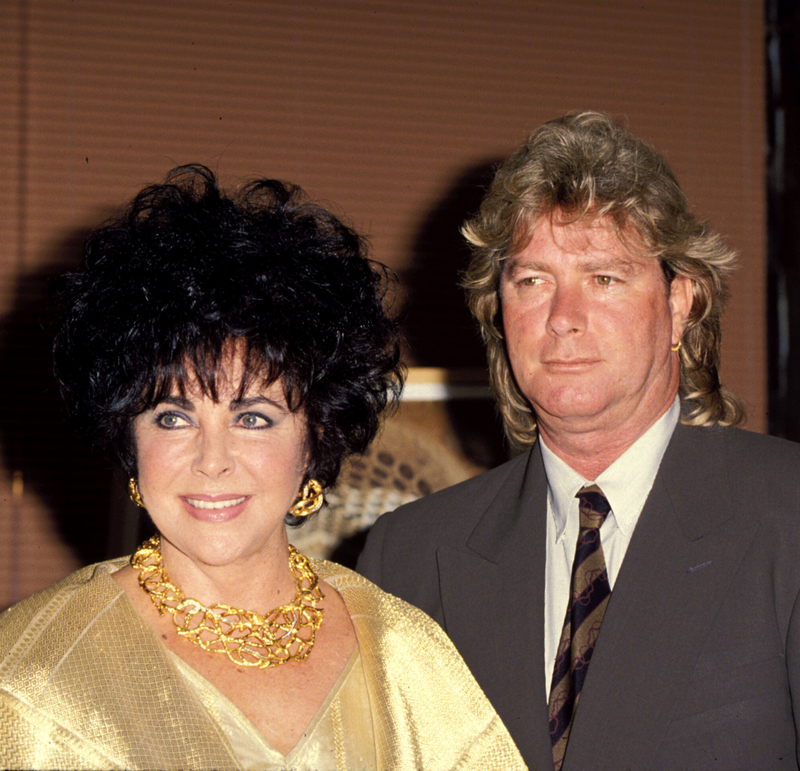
point(184, 271)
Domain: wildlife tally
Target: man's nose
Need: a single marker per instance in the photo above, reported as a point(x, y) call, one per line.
point(567, 312)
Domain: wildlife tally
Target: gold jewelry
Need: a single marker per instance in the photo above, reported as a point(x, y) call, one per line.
point(133, 491)
point(247, 638)
point(675, 348)
point(309, 499)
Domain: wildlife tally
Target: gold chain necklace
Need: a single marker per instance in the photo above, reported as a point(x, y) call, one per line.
point(247, 638)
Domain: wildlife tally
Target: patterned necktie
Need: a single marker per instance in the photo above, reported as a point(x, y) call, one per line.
point(589, 594)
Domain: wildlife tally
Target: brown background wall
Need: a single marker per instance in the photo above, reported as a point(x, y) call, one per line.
point(390, 109)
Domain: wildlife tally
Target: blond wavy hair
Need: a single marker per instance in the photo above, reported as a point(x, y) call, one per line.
point(586, 166)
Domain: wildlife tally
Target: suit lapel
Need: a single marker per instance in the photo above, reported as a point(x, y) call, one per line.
point(492, 592)
point(677, 569)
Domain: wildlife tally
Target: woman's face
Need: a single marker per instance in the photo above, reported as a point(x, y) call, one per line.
point(218, 477)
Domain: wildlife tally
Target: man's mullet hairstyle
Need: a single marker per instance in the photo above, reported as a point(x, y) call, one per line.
point(583, 167)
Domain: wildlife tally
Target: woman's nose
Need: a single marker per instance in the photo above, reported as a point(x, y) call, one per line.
point(213, 457)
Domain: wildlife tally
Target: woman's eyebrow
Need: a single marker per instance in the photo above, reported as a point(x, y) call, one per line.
point(253, 401)
point(178, 401)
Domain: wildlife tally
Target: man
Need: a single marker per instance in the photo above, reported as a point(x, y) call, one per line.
point(670, 539)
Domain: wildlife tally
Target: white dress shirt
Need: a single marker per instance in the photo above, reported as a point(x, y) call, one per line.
point(626, 484)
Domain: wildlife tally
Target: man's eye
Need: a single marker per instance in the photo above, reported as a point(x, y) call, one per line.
point(604, 280)
point(531, 281)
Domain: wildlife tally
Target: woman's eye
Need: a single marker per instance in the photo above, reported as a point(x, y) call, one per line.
point(254, 420)
point(169, 420)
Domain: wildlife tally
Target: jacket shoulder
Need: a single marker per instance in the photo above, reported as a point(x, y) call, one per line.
point(745, 452)
point(453, 505)
point(761, 445)
point(400, 554)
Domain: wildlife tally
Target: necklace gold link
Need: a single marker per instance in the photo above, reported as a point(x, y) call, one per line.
point(247, 638)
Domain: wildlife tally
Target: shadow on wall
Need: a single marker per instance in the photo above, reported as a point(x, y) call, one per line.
point(439, 329)
point(76, 486)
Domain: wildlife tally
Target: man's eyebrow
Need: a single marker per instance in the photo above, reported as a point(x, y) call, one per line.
point(513, 264)
point(592, 265)
point(619, 264)
point(253, 401)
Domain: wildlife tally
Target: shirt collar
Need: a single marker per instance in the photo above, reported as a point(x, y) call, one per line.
point(626, 482)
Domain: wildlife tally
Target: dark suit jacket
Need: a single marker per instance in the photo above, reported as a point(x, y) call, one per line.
point(697, 665)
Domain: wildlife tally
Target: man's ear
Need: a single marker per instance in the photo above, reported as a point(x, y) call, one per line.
point(681, 298)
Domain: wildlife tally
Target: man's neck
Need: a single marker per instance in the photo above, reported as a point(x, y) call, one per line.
point(591, 450)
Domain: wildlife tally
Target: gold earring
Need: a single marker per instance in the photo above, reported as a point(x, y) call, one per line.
point(133, 491)
point(309, 499)
point(675, 348)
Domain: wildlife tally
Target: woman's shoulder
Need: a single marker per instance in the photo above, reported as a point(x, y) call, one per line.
point(418, 677)
point(395, 637)
point(364, 598)
point(70, 658)
point(383, 620)
point(80, 592)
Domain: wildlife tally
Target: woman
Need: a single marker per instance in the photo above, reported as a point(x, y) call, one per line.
point(229, 353)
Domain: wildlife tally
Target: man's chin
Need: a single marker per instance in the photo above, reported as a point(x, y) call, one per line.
point(570, 406)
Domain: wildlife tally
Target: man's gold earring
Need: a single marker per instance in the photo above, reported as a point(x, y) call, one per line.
point(133, 491)
point(675, 348)
point(309, 499)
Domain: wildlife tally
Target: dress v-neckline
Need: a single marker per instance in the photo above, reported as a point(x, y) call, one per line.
point(235, 722)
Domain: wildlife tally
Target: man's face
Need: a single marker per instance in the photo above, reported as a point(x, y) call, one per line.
point(588, 326)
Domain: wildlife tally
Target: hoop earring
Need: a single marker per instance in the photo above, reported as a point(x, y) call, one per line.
point(309, 499)
point(675, 348)
point(133, 491)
